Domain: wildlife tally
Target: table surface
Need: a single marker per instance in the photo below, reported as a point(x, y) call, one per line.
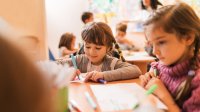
point(76, 92)
point(141, 56)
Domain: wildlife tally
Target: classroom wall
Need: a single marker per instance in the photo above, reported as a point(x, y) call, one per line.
point(28, 18)
point(63, 16)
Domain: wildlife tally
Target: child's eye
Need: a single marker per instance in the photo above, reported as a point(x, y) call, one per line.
point(161, 42)
point(98, 48)
point(87, 47)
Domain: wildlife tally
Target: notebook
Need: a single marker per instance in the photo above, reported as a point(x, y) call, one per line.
point(122, 96)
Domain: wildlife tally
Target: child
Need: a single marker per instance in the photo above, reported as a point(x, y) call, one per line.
point(22, 86)
point(174, 32)
point(98, 41)
point(121, 38)
point(67, 45)
point(87, 17)
point(150, 4)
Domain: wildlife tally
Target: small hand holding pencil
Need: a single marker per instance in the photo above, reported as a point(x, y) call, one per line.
point(148, 76)
point(77, 73)
point(94, 75)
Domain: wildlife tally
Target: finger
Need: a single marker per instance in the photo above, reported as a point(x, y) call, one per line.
point(74, 76)
point(88, 76)
point(78, 71)
point(147, 86)
point(150, 82)
point(93, 78)
point(149, 75)
point(143, 80)
point(152, 74)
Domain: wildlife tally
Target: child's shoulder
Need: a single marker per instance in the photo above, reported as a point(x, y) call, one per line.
point(81, 57)
point(197, 72)
point(110, 58)
point(197, 75)
point(196, 78)
point(62, 48)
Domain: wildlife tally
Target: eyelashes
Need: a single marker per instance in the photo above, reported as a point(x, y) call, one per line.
point(161, 42)
point(95, 48)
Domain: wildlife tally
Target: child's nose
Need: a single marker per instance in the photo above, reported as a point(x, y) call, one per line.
point(155, 50)
point(93, 51)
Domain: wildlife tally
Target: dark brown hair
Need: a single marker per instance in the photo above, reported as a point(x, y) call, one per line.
point(85, 16)
point(22, 87)
point(121, 27)
point(66, 40)
point(153, 4)
point(100, 33)
point(179, 19)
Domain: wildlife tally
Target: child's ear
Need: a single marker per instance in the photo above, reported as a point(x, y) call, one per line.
point(190, 38)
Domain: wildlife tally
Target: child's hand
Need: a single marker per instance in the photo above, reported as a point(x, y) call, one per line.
point(163, 94)
point(161, 91)
point(94, 76)
point(76, 73)
point(144, 79)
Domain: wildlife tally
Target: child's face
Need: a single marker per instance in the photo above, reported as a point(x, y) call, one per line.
point(120, 34)
point(73, 43)
point(95, 53)
point(166, 46)
point(146, 2)
point(91, 19)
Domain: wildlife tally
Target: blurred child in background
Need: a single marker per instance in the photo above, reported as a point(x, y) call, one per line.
point(87, 17)
point(67, 45)
point(124, 42)
point(147, 7)
point(150, 4)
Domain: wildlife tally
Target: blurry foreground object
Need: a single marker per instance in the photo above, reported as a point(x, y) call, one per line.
point(60, 77)
point(23, 87)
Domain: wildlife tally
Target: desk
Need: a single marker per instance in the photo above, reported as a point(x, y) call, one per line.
point(76, 92)
point(141, 59)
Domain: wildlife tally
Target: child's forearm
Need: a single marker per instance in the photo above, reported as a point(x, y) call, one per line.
point(170, 103)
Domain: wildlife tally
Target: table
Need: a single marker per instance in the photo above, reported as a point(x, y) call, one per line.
point(141, 59)
point(76, 92)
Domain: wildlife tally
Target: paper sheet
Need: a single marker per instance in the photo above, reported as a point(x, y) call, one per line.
point(123, 96)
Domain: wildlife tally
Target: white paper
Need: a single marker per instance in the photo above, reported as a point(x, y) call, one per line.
point(123, 96)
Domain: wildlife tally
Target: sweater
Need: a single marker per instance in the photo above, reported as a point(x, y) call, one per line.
point(112, 68)
point(172, 76)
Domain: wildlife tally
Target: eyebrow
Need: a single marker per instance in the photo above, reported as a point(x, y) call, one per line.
point(158, 38)
point(94, 44)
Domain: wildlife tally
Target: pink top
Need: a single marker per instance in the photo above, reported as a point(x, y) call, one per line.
point(172, 76)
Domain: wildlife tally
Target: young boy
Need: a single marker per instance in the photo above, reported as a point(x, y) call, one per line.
point(125, 43)
point(87, 17)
